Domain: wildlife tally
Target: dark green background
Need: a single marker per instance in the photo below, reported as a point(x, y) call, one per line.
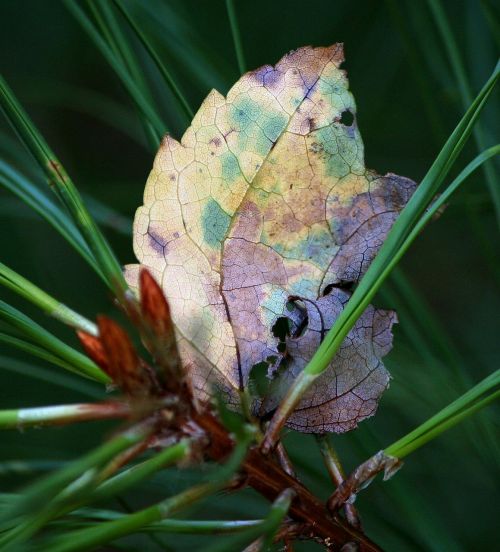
point(408, 103)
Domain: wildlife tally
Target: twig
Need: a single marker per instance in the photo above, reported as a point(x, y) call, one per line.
point(336, 472)
point(362, 476)
point(284, 460)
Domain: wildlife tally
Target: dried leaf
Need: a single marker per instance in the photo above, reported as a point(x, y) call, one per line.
point(348, 391)
point(267, 197)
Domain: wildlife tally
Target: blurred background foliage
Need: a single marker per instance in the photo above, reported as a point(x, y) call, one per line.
point(446, 291)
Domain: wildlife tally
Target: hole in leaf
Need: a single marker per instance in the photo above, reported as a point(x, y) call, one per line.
point(347, 118)
point(328, 289)
point(345, 285)
point(281, 328)
point(258, 382)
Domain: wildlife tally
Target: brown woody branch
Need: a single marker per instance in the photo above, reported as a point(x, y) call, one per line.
point(269, 479)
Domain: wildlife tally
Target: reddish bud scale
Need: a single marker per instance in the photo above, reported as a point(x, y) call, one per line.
point(123, 362)
point(94, 350)
point(155, 308)
point(156, 318)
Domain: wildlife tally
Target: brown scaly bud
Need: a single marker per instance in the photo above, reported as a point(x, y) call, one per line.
point(155, 308)
point(160, 331)
point(123, 363)
point(94, 350)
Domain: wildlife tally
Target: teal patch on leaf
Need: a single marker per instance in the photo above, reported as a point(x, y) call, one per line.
point(215, 222)
point(274, 127)
point(230, 167)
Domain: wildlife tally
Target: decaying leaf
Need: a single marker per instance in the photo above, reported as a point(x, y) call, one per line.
point(267, 198)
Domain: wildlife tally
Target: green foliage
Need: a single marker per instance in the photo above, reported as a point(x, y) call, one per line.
point(24, 332)
point(415, 68)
